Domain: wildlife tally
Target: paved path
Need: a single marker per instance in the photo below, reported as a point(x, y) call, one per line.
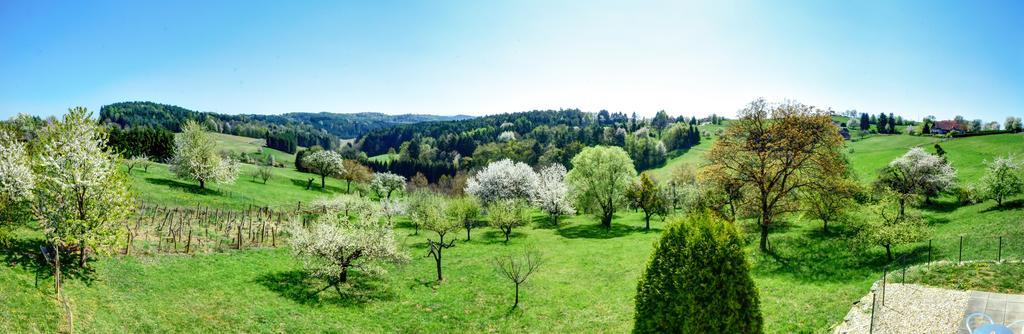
point(1003, 308)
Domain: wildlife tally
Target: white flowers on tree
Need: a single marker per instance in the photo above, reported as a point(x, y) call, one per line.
point(384, 184)
point(16, 179)
point(324, 163)
point(1004, 178)
point(551, 193)
point(502, 179)
point(337, 243)
point(80, 196)
point(918, 173)
point(195, 157)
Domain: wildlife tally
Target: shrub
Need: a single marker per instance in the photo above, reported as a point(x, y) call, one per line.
point(698, 281)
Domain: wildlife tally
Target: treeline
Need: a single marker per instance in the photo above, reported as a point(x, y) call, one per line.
point(155, 143)
point(538, 137)
point(281, 133)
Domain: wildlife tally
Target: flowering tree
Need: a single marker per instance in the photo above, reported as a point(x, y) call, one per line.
point(599, 178)
point(1004, 178)
point(337, 243)
point(195, 157)
point(391, 209)
point(16, 181)
point(917, 173)
point(141, 161)
point(324, 163)
point(384, 184)
point(508, 213)
point(503, 179)
point(80, 196)
point(551, 193)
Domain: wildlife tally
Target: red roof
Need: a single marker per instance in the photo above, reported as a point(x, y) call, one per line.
point(947, 125)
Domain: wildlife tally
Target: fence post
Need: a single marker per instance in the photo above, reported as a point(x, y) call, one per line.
point(999, 255)
point(929, 252)
point(904, 278)
point(960, 258)
point(871, 329)
point(885, 272)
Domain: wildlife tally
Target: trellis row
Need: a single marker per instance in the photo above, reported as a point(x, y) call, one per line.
point(165, 229)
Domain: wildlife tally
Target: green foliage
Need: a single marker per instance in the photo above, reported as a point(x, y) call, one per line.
point(508, 213)
point(156, 143)
point(698, 281)
point(646, 152)
point(465, 209)
point(599, 179)
point(647, 196)
point(889, 225)
point(1004, 178)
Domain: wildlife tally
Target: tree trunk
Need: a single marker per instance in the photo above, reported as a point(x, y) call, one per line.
point(903, 202)
point(824, 225)
point(323, 181)
point(764, 236)
point(468, 227)
point(888, 252)
point(343, 276)
point(202, 184)
point(507, 233)
point(81, 254)
point(517, 297)
point(647, 222)
point(606, 220)
point(348, 185)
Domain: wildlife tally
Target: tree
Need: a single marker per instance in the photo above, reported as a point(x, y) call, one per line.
point(830, 199)
point(518, 269)
point(384, 184)
point(1004, 178)
point(354, 171)
point(917, 173)
point(508, 213)
point(891, 225)
point(265, 173)
point(335, 244)
point(599, 178)
point(865, 123)
point(80, 195)
point(465, 209)
point(646, 196)
point(552, 194)
point(773, 152)
point(660, 121)
point(698, 281)
point(324, 163)
point(502, 179)
point(431, 214)
point(137, 161)
point(195, 157)
point(1013, 124)
point(16, 183)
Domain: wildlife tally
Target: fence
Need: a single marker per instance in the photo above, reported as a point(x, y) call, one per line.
point(956, 250)
point(166, 229)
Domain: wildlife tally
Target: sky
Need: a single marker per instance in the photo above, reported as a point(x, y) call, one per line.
point(910, 58)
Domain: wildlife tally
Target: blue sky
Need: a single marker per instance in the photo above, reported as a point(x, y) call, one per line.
point(912, 58)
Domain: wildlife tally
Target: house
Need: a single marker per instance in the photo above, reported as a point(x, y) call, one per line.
point(947, 126)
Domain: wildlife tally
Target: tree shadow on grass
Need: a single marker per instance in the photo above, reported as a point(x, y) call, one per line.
point(942, 206)
point(596, 231)
point(316, 186)
point(1007, 205)
point(187, 187)
point(492, 236)
point(300, 287)
point(814, 259)
point(27, 254)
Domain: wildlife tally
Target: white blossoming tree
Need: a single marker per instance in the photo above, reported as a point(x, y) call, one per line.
point(324, 163)
point(141, 161)
point(338, 243)
point(917, 173)
point(551, 193)
point(502, 179)
point(195, 157)
point(384, 184)
point(80, 195)
point(1004, 178)
point(16, 182)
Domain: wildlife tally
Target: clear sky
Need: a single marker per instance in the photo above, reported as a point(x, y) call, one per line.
point(912, 58)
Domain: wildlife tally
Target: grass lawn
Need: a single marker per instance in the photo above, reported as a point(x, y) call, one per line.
point(384, 157)
point(253, 147)
point(286, 188)
point(979, 276)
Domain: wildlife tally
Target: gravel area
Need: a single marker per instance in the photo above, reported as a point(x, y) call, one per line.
point(909, 308)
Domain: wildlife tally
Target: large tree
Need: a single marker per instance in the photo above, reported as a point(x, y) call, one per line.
point(599, 178)
point(384, 184)
point(81, 196)
point(917, 173)
point(774, 151)
point(1004, 177)
point(338, 243)
point(196, 158)
point(324, 163)
point(698, 281)
point(502, 179)
point(552, 194)
point(16, 182)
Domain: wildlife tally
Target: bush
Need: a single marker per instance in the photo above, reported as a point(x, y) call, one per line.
point(698, 281)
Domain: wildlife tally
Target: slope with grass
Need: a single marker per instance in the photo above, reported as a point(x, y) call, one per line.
point(252, 147)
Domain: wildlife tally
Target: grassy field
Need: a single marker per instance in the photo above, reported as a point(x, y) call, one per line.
point(253, 147)
point(979, 276)
point(384, 157)
point(587, 283)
